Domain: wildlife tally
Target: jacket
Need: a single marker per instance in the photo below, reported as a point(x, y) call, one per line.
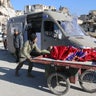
point(29, 47)
point(18, 41)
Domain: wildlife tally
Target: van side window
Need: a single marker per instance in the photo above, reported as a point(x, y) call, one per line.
point(52, 30)
point(48, 27)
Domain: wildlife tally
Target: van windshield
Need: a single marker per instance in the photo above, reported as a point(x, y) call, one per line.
point(71, 28)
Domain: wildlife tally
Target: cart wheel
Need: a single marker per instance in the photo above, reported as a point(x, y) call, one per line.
point(88, 81)
point(58, 84)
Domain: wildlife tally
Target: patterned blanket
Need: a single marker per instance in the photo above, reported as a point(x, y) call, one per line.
point(71, 53)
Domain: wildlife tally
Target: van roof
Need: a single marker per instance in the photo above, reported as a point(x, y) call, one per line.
point(55, 14)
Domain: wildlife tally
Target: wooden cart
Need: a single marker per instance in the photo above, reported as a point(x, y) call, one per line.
point(61, 73)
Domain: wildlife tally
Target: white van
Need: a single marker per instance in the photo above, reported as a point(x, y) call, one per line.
point(1, 39)
point(52, 28)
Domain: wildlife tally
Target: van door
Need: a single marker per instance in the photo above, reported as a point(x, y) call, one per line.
point(10, 34)
point(52, 34)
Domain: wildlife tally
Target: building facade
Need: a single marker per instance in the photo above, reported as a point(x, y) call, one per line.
point(37, 8)
point(6, 11)
point(89, 21)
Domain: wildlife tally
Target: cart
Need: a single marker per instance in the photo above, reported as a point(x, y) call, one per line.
point(61, 73)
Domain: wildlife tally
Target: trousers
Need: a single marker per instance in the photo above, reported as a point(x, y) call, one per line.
point(17, 52)
point(22, 61)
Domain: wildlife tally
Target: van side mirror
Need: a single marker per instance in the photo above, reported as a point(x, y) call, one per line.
point(57, 34)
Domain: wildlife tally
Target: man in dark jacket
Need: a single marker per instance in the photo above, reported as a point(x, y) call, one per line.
point(18, 43)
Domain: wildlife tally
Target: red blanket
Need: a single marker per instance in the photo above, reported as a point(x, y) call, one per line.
point(72, 53)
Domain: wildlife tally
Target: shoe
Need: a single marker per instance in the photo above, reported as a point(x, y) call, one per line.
point(30, 75)
point(17, 74)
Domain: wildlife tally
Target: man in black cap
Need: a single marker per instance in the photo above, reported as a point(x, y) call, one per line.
point(29, 49)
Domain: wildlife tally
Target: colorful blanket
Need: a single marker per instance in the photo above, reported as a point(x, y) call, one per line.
point(71, 53)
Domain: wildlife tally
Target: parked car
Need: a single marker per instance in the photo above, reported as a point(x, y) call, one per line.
point(1, 39)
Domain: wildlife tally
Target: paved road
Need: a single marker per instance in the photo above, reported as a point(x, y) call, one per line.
point(24, 86)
